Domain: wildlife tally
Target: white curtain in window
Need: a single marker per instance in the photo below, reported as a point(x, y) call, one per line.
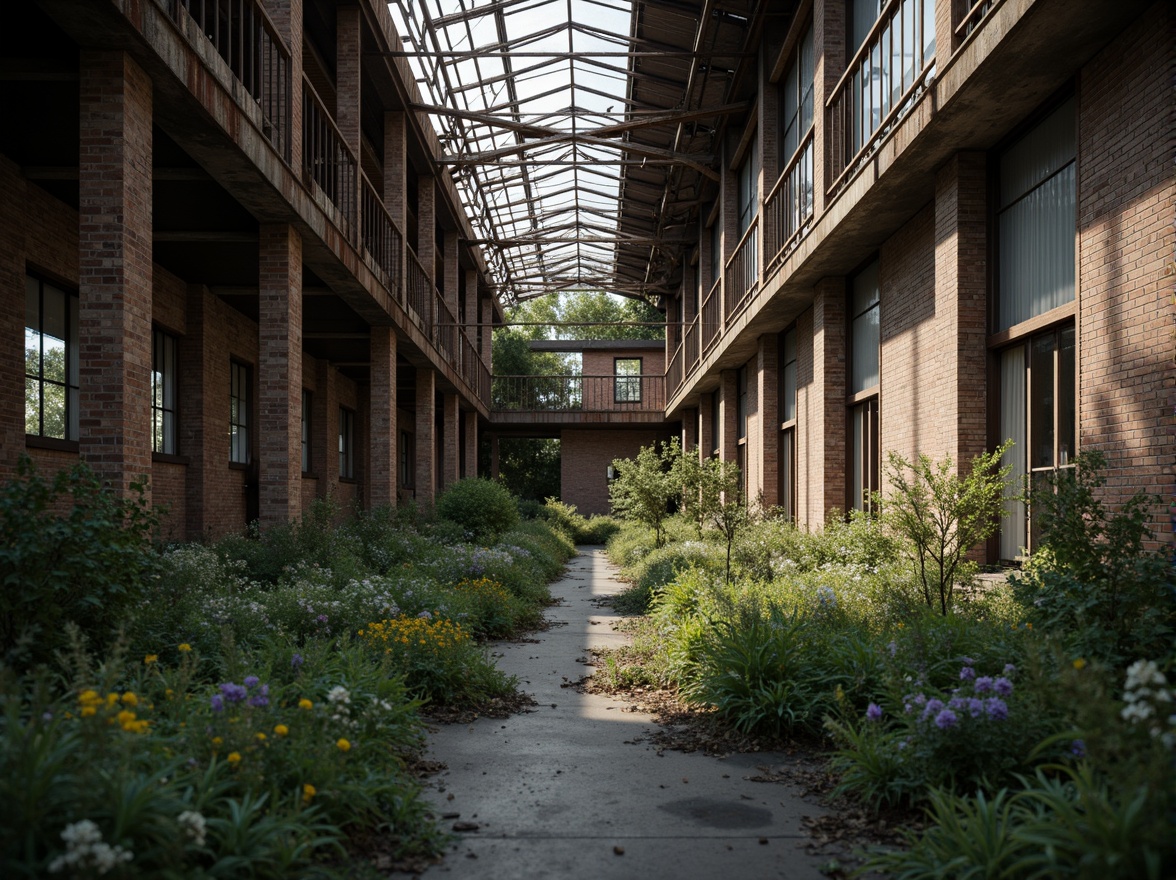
point(1012, 427)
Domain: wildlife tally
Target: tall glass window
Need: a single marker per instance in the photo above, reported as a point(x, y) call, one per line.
point(788, 407)
point(306, 401)
point(627, 381)
point(865, 348)
point(239, 405)
point(51, 361)
point(346, 443)
point(748, 191)
point(796, 121)
point(163, 393)
point(865, 331)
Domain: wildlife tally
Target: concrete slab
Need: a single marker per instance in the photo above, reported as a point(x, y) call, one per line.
point(567, 791)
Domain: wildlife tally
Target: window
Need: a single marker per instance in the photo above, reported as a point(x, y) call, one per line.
point(306, 401)
point(51, 361)
point(406, 469)
point(865, 348)
point(796, 120)
point(627, 384)
point(163, 393)
point(786, 460)
point(716, 236)
point(346, 444)
point(240, 384)
point(1036, 220)
point(741, 403)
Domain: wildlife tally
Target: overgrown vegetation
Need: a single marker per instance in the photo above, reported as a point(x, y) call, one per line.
point(1034, 721)
point(249, 707)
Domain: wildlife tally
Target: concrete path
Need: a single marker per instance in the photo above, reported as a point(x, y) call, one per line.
point(563, 792)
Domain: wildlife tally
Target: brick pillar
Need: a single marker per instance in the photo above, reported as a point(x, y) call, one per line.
point(706, 439)
point(382, 423)
point(286, 16)
point(12, 315)
point(487, 327)
point(690, 430)
point(471, 304)
point(449, 280)
point(114, 262)
point(426, 428)
point(279, 374)
point(728, 412)
point(396, 184)
point(948, 13)
point(324, 422)
point(768, 101)
point(822, 432)
point(960, 296)
point(766, 450)
point(427, 225)
point(470, 427)
point(450, 445)
point(829, 39)
point(348, 96)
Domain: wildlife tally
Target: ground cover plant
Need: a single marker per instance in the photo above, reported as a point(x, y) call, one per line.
point(251, 707)
point(1032, 721)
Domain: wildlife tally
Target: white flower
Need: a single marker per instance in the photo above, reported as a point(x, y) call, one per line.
point(339, 695)
point(85, 849)
point(194, 826)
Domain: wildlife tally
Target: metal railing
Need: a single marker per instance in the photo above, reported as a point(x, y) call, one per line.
point(417, 291)
point(712, 316)
point(576, 393)
point(880, 84)
point(742, 272)
point(443, 329)
point(379, 234)
point(789, 206)
point(974, 16)
point(327, 159)
point(247, 40)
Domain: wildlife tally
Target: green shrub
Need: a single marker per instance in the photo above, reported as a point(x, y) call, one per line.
point(483, 508)
point(71, 551)
point(590, 530)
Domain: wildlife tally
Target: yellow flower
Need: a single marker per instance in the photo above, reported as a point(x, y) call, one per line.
point(305, 704)
point(839, 694)
point(184, 648)
point(89, 698)
point(151, 658)
point(343, 745)
point(234, 758)
point(169, 693)
point(281, 729)
point(308, 792)
point(216, 741)
point(112, 699)
point(259, 736)
point(88, 711)
point(125, 717)
point(1080, 664)
point(129, 699)
point(1029, 626)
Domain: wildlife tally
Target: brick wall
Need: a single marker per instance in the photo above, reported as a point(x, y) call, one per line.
point(821, 388)
point(1126, 190)
point(585, 456)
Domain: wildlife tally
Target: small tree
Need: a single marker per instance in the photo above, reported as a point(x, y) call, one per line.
point(941, 516)
point(645, 485)
point(724, 503)
point(689, 474)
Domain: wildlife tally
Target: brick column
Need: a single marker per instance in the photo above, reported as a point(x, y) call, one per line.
point(12, 315)
point(450, 462)
point(348, 98)
point(396, 184)
point(449, 281)
point(948, 13)
point(471, 443)
point(706, 439)
point(829, 39)
point(114, 262)
point(426, 449)
point(487, 328)
point(690, 430)
point(197, 402)
point(766, 450)
point(960, 296)
point(427, 225)
point(728, 412)
point(279, 374)
point(286, 16)
point(382, 423)
point(768, 101)
point(822, 432)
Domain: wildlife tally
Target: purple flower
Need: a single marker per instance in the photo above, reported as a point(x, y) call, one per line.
point(983, 684)
point(1010, 669)
point(234, 693)
point(218, 703)
point(932, 708)
point(967, 673)
point(967, 661)
point(259, 701)
point(892, 648)
point(251, 681)
point(945, 719)
point(957, 704)
point(920, 700)
point(322, 618)
point(1003, 686)
point(975, 707)
point(996, 708)
point(1078, 748)
point(874, 712)
point(296, 661)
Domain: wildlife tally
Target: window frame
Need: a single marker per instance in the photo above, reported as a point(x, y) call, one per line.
point(346, 443)
point(747, 188)
point(70, 384)
point(165, 371)
point(863, 404)
point(307, 431)
point(240, 432)
point(407, 470)
point(788, 403)
point(631, 381)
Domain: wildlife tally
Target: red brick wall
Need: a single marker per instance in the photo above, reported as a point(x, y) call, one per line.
point(821, 411)
point(168, 487)
point(584, 459)
point(1126, 192)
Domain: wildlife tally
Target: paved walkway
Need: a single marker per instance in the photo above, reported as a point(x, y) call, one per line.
point(564, 792)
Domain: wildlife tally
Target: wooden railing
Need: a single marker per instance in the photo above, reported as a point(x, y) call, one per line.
point(974, 16)
point(880, 84)
point(789, 206)
point(247, 40)
point(379, 235)
point(418, 289)
point(742, 272)
point(575, 393)
point(327, 159)
point(712, 316)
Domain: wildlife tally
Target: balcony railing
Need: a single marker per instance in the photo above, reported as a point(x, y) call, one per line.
point(574, 393)
point(246, 39)
point(742, 272)
point(974, 16)
point(379, 234)
point(418, 290)
point(789, 206)
point(327, 159)
point(712, 316)
point(880, 84)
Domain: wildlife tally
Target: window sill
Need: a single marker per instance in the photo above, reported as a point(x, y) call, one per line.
point(168, 458)
point(238, 466)
point(348, 481)
point(36, 441)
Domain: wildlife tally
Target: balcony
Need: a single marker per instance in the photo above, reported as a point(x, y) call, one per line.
point(573, 399)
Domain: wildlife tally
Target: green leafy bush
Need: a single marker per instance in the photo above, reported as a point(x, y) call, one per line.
point(646, 485)
point(71, 551)
point(582, 530)
point(483, 508)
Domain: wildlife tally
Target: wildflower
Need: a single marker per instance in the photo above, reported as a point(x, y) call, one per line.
point(967, 673)
point(184, 648)
point(1003, 686)
point(996, 708)
point(874, 712)
point(975, 707)
point(1078, 748)
point(1079, 664)
point(1010, 669)
point(308, 792)
point(88, 712)
point(839, 694)
point(234, 758)
point(129, 699)
point(982, 685)
point(194, 826)
point(252, 681)
point(151, 658)
point(281, 729)
point(216, 741)
point(296, 661)
point(234, 693)
point(217, 702)
point(305, 704)
point(85, 849)
point(259, 736)
point(339, 695)
point(945, 719)
point(343, 745)
point(892, 648)
point(933, 708)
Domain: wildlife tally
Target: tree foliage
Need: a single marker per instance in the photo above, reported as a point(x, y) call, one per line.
point(564, 317)
point(645, 486)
